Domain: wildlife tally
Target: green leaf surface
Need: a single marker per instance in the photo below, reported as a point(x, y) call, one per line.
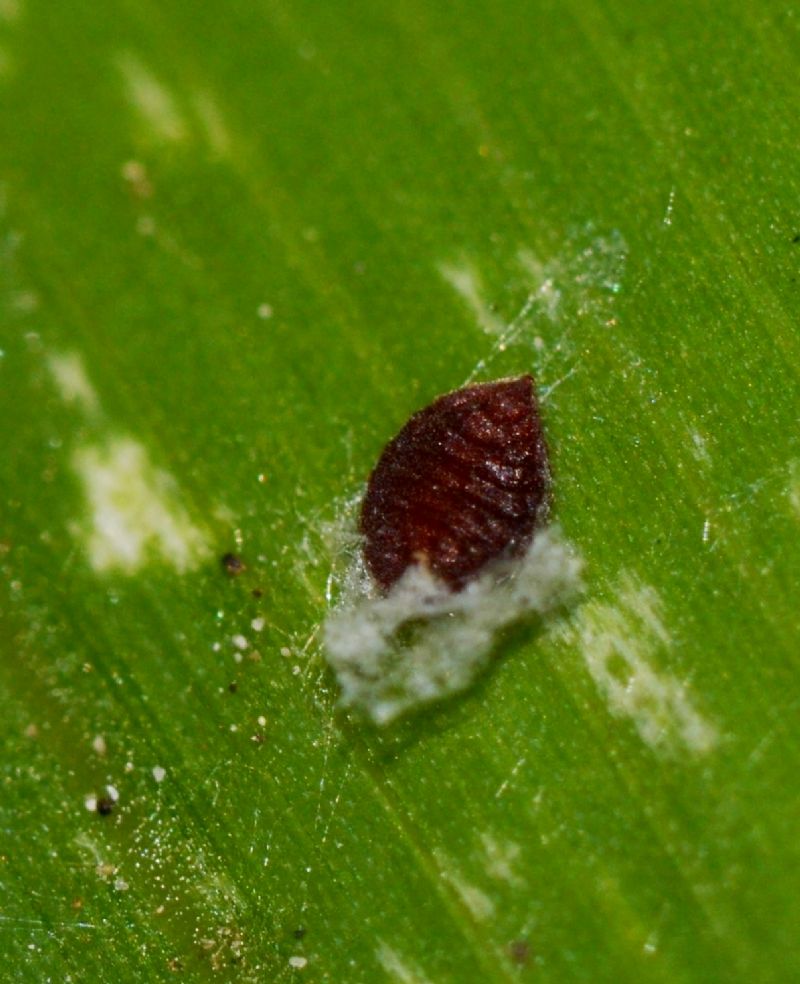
point(239, 245)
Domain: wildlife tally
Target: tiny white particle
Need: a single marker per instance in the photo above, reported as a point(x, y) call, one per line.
point(285, 651)
point(240, 642)
point(99, 745)
point(121, 885)
point(90, 803)
point(667, 220)
point(258, 624)
point(265, 311)
point(129, 766)
point(234, 727)
point(296, 670)
point(159, 773)
point(261, 720)
point(298, 963)
point(216, 647)
point(237, 657)
point(113, 793)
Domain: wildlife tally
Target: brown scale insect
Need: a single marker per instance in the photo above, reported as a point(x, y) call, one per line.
point(464, 483)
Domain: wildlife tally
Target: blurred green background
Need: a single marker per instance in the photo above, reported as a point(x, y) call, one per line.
point(239, 245)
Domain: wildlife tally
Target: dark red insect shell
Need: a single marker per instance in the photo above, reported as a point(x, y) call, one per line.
point(465, 482)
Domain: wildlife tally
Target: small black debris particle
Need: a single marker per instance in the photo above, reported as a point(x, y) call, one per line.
point(232, 564)
point(299, 933)
point(796, 239)
point(257, 592)
point(233, 687)
point(105, 806)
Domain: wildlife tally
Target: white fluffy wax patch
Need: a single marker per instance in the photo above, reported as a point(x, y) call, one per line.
point(422, 641)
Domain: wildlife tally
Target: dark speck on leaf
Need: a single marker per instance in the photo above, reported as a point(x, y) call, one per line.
point(464, 483)
point(105, 806)
point(233, 687)
point(232, 564)
point(299, 933)
point(519, 951)
point(796, 239)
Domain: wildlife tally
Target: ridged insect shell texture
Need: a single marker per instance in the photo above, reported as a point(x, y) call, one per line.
point(465, 482)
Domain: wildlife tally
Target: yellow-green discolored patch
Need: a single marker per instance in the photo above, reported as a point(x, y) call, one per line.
point(135, 512)
point(73, 383)
point(619, 641)
point(155, 104)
